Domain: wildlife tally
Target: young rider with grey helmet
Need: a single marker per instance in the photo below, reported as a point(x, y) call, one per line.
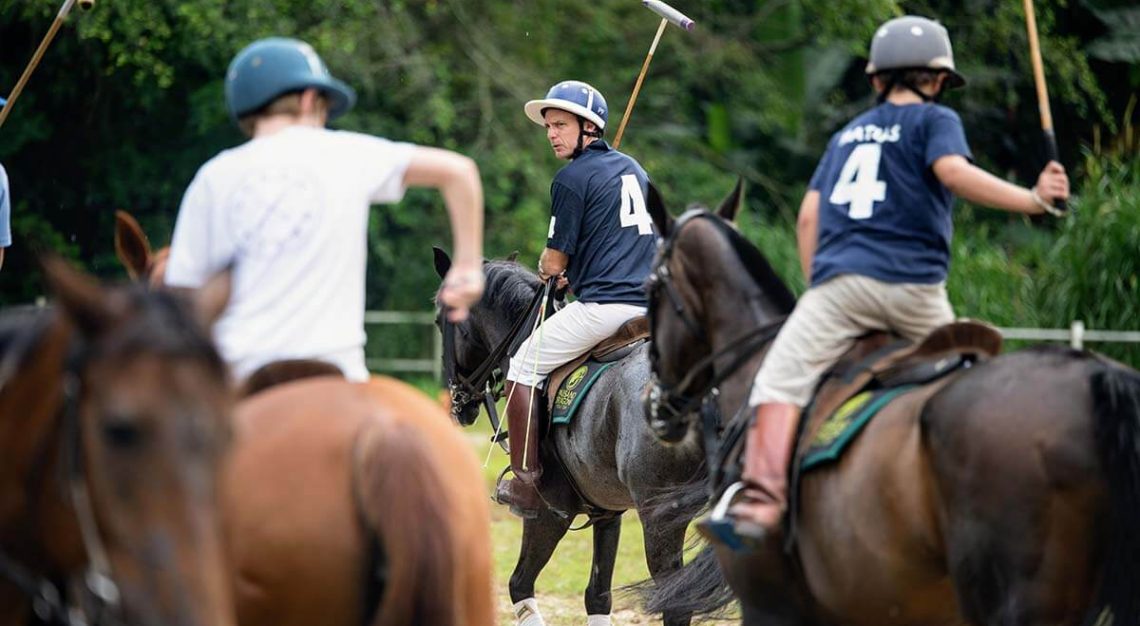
point(874, 238)
point(601, 242)
point(288, 211)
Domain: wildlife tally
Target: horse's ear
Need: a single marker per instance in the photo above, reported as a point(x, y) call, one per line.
point(210, 300)
point(513, 257)
point(80, 296)
point(731, 205)
point(442, 262)
point(661, 218)
point(131, 245)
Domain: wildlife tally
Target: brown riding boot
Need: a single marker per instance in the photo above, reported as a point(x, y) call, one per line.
point(521, 492)
point(767, 453)
point(751, 510)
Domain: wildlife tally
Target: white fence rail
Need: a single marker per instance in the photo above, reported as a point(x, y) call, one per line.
point(433, 366)
point(1076, 335)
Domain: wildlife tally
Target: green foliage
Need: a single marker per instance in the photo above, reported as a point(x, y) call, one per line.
point(128, 103)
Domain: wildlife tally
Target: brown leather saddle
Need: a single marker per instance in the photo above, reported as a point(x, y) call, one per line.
point(284, 371)
point(614, 348)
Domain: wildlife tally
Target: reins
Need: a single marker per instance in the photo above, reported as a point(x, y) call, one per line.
point(485, 382)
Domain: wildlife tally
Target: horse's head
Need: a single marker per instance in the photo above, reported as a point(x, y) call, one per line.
point(145, 424)
point(476, 351)
point(694, 267)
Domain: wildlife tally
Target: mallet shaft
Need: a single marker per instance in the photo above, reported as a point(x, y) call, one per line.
point(39, 54)
point(637, 85)
point(1052, 154)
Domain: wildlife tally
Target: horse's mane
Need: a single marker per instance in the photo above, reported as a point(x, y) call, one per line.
point(510, 287)
point(759, 268)
point(164, 323)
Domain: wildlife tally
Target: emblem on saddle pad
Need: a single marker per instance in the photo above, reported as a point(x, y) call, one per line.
point(837, 432)
point(570, 393)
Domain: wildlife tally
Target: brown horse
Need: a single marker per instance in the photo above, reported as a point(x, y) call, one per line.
point(347, 504)
point(1010, 496)
point(114, 413)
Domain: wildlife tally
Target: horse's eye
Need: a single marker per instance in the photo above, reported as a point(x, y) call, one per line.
point(122, 433)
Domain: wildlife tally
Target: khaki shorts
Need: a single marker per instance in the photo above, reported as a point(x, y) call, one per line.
point(827, 321)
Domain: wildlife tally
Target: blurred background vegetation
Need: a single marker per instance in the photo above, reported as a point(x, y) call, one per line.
point(127, 104)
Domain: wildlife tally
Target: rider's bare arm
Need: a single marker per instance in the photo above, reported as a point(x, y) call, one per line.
point(457, 178)
point(552, 263)
point(807, 231)
point(1, 257)
point(973, 183)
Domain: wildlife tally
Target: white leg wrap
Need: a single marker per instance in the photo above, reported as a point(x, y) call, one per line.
point(526, 613)
point(598, 620)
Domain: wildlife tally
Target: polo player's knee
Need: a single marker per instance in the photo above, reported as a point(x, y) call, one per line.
point(524, 373)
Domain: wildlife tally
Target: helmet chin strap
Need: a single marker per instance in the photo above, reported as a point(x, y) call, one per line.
point(894, 80)
point(582, 134)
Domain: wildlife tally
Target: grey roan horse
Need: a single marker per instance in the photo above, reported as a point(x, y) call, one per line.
point(608, 453)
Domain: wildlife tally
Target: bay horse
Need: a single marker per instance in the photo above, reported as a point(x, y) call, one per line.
point(346, 503)
point(1011, 496)
point(114, 416)
point(606, 461)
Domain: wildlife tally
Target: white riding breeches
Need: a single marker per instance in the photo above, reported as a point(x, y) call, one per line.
point(565, 336)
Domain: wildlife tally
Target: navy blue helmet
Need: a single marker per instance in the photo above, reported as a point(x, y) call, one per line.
point(269, 68)
point(574, 97)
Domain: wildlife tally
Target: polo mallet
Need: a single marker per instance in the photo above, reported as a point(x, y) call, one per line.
point(668, 14)
point(59, 18)
point(1051, 152)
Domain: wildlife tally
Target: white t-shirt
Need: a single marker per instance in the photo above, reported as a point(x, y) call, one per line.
point(290, 212)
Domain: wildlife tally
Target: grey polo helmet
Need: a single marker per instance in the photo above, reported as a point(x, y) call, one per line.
point(269, 68)
point(912, 42)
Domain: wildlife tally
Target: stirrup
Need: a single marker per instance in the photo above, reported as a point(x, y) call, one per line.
point(718, 527)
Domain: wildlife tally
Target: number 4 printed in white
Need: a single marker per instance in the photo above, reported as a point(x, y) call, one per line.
point(632, 211)
point(859, 183)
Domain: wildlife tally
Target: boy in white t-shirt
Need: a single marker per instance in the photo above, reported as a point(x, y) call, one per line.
point(288, 210)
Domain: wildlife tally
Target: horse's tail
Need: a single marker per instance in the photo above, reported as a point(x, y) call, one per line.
point(425, 526)
point(1116, 407)
point(698, 587)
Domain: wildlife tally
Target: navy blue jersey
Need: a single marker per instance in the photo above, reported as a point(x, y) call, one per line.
point(883, 213)
point(599, 220)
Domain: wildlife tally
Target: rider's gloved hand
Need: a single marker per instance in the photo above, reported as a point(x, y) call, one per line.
point(1052, 185)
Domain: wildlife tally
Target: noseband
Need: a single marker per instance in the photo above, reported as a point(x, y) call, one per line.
point(670, 404)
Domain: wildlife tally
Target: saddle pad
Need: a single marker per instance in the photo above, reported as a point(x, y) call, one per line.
point(574, 388)
point(840, 429)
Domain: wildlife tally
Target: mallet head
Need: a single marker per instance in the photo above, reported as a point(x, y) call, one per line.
point(673, 15)
point(86, 4)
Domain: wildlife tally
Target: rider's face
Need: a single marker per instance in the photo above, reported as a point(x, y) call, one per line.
point(562, 132)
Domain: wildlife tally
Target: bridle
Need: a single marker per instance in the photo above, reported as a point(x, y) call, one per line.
point(669, 405)
point(97, 584)
point(486, 382)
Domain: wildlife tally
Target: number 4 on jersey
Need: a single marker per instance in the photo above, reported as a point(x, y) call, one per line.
point(859, 183)
point(632, 212)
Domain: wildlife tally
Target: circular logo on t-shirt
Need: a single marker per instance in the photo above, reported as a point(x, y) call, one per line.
point(273, 208)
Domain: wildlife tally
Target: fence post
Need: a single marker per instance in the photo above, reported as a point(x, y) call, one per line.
point(1077, 335)
point(437, 354)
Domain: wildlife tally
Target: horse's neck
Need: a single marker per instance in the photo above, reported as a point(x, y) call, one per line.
point(730, 318)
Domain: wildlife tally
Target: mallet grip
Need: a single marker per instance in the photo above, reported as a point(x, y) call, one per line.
point(1051, 152)
point(674, 16)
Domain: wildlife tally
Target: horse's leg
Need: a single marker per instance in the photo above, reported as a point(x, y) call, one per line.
point(540, 536)
point(599, 599)
point(664, 553)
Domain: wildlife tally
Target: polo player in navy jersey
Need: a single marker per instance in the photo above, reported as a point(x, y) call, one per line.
point(874, 238)
point(601, 242)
